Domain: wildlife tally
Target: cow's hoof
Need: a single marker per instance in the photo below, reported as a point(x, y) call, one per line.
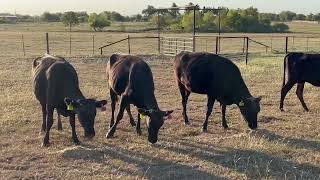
point(204, 130)
point(281, 109)
point(77, 143)
point(109, 135)
point(306, 110)
point(139, 132)
point(187, 123)
point(60, 128)
point(225, 126)
point(133, 124)
point(45, 144)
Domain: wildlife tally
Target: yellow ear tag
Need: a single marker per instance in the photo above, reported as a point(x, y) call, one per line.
point(241, 103)
point(70, 107)
point(142, 117)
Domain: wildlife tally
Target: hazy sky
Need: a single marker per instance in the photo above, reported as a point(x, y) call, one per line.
point(129, 7)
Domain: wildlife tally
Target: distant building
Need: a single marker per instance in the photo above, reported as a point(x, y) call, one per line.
point(8, 18)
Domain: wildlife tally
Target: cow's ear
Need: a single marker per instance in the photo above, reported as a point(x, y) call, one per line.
point(68, 100)
point(71, 104)
point(143, 111)
point(101, 103)
point(113, 58)
point(258, 99)
point(167, 114)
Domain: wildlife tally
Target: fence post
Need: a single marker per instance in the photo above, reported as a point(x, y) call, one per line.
point(47, 40)
point(217, 42)
point(176, 46)
point(244, 44)
point(23, 49)
point(271, 43)
point(159, 33)
point(286, 44)
point(307, 44)
point(206, 45)
point(70, 43)
point(129, 49)
point(194, 30)
point(92, 45)
point(100, 51)
point(247, 50)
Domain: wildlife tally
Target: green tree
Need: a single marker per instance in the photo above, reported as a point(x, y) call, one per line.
point(208, 22)
point(70, 19)
point(51, 17)
point(98, 21)
point(187, 21)
point(287, 16)
point(280, 27)
point(149, 11)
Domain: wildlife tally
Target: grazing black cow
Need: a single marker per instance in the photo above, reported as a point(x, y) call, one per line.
point(131, 78)
point(301, 68)
point(56, 86)
point(219, 79)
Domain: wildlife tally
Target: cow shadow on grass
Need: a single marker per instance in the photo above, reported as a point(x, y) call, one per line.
point(294, 142)
point(254, 164)
point(148, 167)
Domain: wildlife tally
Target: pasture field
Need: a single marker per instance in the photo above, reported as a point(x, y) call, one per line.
point(285, 146)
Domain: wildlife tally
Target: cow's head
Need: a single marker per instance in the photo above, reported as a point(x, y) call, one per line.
point(154, 119)
point(249, 108)
point(86, 111)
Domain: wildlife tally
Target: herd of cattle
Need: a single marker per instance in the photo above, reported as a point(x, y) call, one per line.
point(130, 79)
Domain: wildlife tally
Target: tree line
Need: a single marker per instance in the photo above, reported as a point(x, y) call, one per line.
point(207, 20)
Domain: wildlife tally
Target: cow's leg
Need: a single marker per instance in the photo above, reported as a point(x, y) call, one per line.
point(223, 113)
point(285, 89)
point(133, 124)
point(44, 117)
point(138, 128)
point(184, 97)
point(75, 139)
point(209, 110)
point(49, 120)
point(299, 93)
point(113, 97)
point(123, 104)
point(59, 122)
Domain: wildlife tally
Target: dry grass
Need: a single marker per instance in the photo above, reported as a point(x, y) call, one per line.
point(286, 146)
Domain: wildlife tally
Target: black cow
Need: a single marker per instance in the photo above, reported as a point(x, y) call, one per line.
point(219, 79)
point(131, 78)
point(56, 86)
point(301, 68)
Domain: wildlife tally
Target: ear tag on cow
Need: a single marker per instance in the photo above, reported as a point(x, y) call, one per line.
point(70, 107)
point(241, 103)
point(142, 117)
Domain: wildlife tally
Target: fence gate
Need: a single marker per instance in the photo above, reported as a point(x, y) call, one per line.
point(171, 46)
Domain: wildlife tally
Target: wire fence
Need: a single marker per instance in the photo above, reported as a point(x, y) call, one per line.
point(30, 44)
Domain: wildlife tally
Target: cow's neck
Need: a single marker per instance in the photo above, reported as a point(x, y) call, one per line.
point(77, 94)
point(242, 93)
point(150, 102)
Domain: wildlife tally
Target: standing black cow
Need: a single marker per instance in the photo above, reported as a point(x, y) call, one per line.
point(56, 86)
point(219, 79)
point(131, 78)
point(301, 68)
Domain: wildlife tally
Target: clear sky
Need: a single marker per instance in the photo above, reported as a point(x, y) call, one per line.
point(130, 7)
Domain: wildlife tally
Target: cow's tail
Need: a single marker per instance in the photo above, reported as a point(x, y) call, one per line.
point(284, 69)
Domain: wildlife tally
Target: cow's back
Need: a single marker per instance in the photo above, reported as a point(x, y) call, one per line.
point(128, 71)
point(56, 76)
point(303, 68)
point(207, 73)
